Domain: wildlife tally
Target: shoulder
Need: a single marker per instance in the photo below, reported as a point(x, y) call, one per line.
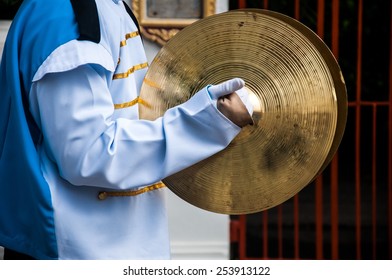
point(74, 54)
point(59, 35)
point(38, 28)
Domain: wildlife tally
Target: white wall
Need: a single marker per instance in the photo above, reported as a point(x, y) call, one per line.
point(4, 25)
point(195, 233)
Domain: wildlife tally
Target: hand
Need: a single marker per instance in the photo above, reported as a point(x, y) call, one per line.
point(232, 101)
point(234, 109)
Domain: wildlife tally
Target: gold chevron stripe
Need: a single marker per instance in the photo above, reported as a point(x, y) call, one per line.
point(130, 71)
point(129, 36)
point(132, 103)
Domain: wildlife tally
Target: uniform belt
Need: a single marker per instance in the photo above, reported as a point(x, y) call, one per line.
point(105, 194)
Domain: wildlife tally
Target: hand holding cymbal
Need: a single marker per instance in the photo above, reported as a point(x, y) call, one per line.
point(233, 101)
point(293, 81)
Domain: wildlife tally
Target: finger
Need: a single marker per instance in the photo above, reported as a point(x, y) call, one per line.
point(244, 95)
point(234, 109)
point(225, 88)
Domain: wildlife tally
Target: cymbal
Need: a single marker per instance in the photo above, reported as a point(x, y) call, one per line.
point(299, 96)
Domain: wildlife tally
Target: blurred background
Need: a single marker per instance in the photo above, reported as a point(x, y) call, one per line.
point(346, 213)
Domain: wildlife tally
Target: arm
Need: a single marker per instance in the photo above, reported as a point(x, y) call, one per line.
point(74, 110)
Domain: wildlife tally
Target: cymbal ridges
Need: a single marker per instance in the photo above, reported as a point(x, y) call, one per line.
point(297, 83)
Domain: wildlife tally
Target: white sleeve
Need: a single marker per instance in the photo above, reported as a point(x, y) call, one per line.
point(74, 110)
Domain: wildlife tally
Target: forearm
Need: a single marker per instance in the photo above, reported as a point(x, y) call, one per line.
point(91, 148)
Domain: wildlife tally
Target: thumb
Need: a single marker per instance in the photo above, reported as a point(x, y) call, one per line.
point(226, 88)
point(244, 95)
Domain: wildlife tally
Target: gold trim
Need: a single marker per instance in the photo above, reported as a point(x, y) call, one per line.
point(137, 100)
point(129, 36)
point(106, 194)
point(159, 35)
point(144, 103)
point(130, 71)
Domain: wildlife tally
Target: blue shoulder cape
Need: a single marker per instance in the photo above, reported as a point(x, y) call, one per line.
point(26, 212)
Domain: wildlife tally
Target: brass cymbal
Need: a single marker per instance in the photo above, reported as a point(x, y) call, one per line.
point(300, 106)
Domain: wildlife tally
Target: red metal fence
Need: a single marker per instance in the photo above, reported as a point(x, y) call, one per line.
point(346, 213)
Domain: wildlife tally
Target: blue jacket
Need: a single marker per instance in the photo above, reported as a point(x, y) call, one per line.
point(26, 213)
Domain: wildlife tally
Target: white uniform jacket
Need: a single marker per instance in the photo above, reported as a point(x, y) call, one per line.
point(85, 100)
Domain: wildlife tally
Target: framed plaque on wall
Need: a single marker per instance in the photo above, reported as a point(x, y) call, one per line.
point(162, 19)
